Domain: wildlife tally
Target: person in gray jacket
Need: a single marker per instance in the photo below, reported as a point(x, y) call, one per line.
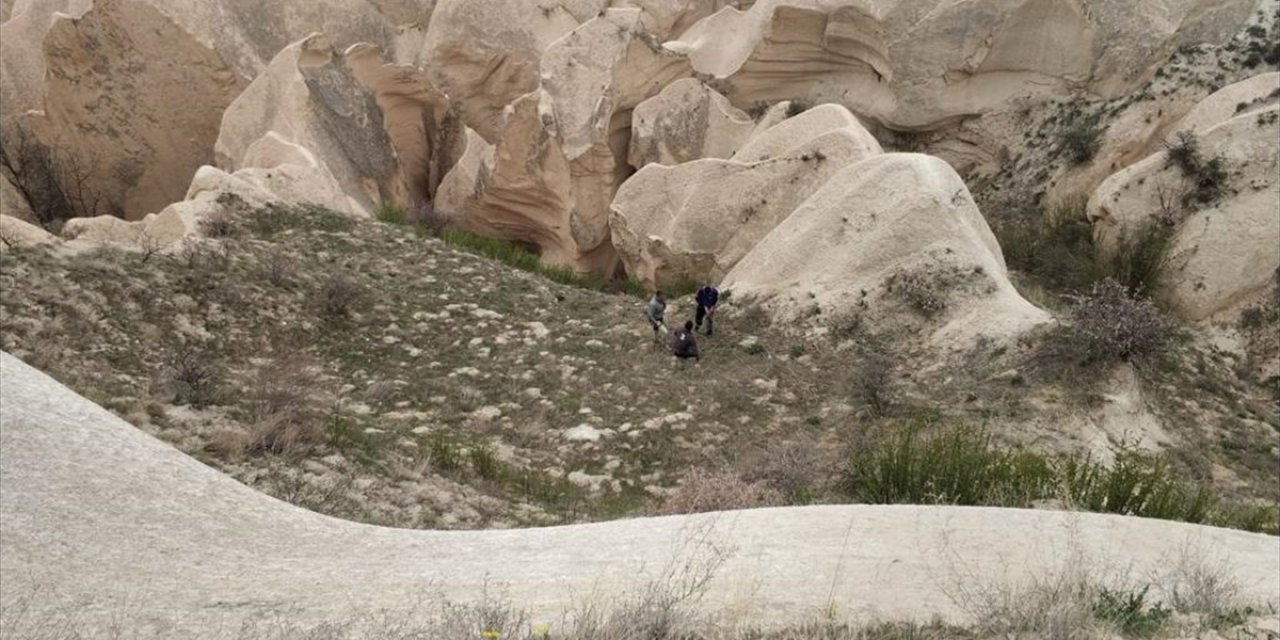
point(654, 312)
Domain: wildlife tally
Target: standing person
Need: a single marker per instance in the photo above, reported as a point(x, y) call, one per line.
point(655, 311)
point(683, 345)
point(706, 299)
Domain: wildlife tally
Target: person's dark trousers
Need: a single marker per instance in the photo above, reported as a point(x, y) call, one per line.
point(699, 315)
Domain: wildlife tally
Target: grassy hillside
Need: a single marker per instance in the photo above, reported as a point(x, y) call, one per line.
point(372, 372)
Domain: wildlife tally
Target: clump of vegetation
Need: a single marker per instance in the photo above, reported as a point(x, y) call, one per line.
point(962, 466)
point(798, 106)
point(701, 491)
point(196, 374)
point(1109, 324)
point(1140, 259)
point(284, 409)
point(338, 296)
point(1208, 177)
point(1129, 612)
point(276, 218)
point(1055, 247)
point(392, 214)
point(920, 289)
point(1082, 136)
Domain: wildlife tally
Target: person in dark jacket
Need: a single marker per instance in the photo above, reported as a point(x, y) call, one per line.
point(683, 345)
point(706, 299)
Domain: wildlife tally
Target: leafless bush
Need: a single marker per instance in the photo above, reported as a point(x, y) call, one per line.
point(796, 468)
point(337, 296)
point(284, 404)
point(701, 491)
point(1196, 583)
point(218, 224)
point(873, 382)
point(920, 290)
point(426, 215)
point(195, 372)
point(56, 183)
point(1110, 324)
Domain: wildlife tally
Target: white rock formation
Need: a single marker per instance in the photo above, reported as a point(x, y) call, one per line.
point(1224, 256)
point(309, 110)
point(16, 233)
point(686, 121)
point(918, 65)
point(694, 221)
point(150, 538)
point(898, 240)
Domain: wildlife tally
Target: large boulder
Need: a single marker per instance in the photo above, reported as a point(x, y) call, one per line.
point(897, 241)
point(115, 79)
point(694, 221)
point(308, 109)
point(1224, 254)
point(561, 152)
point(686, 121)
point(16, 233)
point(922, 65)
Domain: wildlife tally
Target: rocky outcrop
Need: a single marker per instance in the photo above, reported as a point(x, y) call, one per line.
point(1225, 252)
point(562, 149)
point(922, 65)
point(310, 110)
point(16, 233)
point(111, 106)
point(897, 241)
point(686, 121)
point(694, 221)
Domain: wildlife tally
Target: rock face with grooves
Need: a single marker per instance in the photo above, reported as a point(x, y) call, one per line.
point(1224, 255)
point(686, 121)
point(694, 221)
point(920, 65)
point(897, 240)
point(309, 109)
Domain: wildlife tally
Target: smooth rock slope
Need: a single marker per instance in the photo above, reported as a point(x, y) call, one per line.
point(101, 520)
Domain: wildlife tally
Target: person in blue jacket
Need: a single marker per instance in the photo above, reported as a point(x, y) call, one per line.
point(707, 298)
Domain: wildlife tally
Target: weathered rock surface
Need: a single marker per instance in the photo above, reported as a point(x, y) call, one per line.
point(153, 539)
point(898, 240)
point(309, 110)
point(111, 106)
point(561, 151)
point(18, 233)
point(920, 65)
point(694, 221)
point(686, 121)
point(1224, 256)
point(11, 201)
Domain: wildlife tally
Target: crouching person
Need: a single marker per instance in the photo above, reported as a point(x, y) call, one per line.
point(683, 345)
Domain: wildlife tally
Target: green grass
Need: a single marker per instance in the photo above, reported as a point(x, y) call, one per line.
point(962, 466)
point(392, 214)
point(273, 219)
point(1130, 613)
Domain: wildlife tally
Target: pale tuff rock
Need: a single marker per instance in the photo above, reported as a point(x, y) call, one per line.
point(898, 240)
point(16, 233)
point(694, 221)
point(1224, 256)
point(560, 153)
point(686, 121)
point(485, 53)
point(918, 65)
point(466, 180)
point(109, 106)
point(309, 110)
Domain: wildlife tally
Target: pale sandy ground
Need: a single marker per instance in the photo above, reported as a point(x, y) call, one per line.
point(96, 514)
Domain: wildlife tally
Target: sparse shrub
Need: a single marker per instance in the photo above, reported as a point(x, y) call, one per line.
point(1140, 258)
point(218, 224)
point(338, 296)
point(443, 453)
point(873, 382)
point(701, 491)
point(1109, 324)
point(196, 374)
point(274, 218)
point(757, 109)
point(1055, 247)
point(284, 404)
point(1129, 612)
point(1082, 137)
point(756, 349)
point(1208, 177)
point(796, 468)
point(392, 214)
point(921, 289)
point(485, 462)
point(202, 269)
point(278, 269)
